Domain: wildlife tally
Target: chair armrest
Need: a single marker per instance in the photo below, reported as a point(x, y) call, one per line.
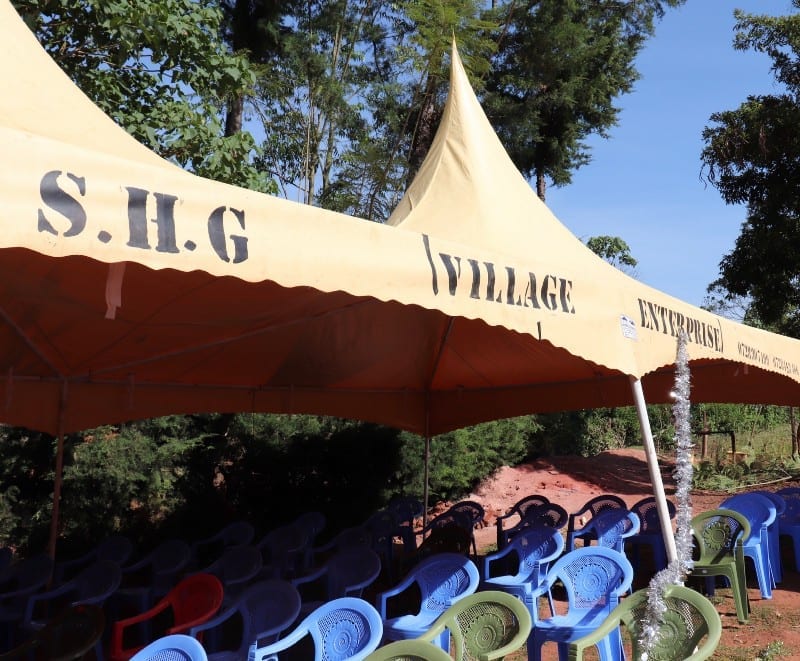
point(43, 596)
point(491, 557)
point(577, 647)
point(382, 597)
point(271, 650)
point(308, 578)
point(218, 619)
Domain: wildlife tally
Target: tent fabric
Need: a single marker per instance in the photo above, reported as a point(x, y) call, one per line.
point(468, 190)
point(131, 288)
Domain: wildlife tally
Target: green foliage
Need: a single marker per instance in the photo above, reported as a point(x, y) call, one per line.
point(559, 68)
point(614, 250)
point(752, 156)
point(160, 69)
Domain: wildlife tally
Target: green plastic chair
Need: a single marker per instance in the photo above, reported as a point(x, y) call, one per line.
point(482, 626)
point(690, 630)
point(719, 535)
point(412, 649)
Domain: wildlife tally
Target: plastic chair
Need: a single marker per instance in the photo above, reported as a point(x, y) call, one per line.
point(409, 650)
point(93, 585)
point(610, 528)
point(775, 533)
point(116, 548)
point(237, 567)
point(70, 635)
point(176, 647)
point(485, 625)
point(345, 574)
point(312, 523)
point(650, 533)
point(719, 535)
point(196, 599)
point(761, 515)
point(207, 550)
point(578, 520)
point(17, 583)
point(534, 550)
point(263, 611)
point(789, 521)
point(440, 581)
point(477, 518)
point(284, 551)
point(406, 510)
point(691, 627)
point(518, 509)
point(347, 628)
point(450, 518)
point(449, 538)
point(550, 515)
point(148, 579)
point(593, 579)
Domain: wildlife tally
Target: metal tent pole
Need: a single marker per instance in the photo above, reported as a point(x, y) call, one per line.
point(55, 514)
point(655, 473)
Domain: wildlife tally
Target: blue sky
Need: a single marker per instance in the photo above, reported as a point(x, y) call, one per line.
point(643, 183)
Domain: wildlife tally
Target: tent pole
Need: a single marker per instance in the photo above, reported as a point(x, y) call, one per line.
point(425, 494)
point(655, 473)
point(55, 514)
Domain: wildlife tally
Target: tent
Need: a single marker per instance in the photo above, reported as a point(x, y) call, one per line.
point(131, 288)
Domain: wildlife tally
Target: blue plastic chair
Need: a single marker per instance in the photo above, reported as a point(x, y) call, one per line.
point(285, 551)
point(477, 518)
point(237, 567)
point(151, 577)
point(208, 549)
point(550, 515)
point(441, 580)
point(262, 612)
point(789, 521)
point(650, 533)
point(775, 533)
point(593, 579)
point(92, 586)
point(175, 647)
point(345, 574)
point(518, 510)
point(580, 519)
point(345, 629)
point(761, 515)
point(116, 548)
point(610, 528)
point(18, 582)
point(533, 551)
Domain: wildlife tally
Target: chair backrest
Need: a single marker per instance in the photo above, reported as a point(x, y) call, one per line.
point(647, 511)
point(759, 511)
point(175, 647)
point(612, 527)
point(347, 628)
point(449, 518)
point(351, 570)
point(194, 598)
point(690, 627)
point(535, 548)
point(24, 578)
point(449, 538)
point(165, 563)
point(116, 548)
point(284, 550)
point(717, 533)
point(406, 508)
point(485, 624)
point(411, 649)
point(236, 566)
point(777, 500)
point(592, 576)
point(595, 505)
point(523, 504)
point(312, 522)
point(444, 578)
point(472, 508)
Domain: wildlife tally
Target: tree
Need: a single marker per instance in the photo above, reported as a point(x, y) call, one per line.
point(560, 66)
point(752, 156)
point(160, 69)
point(614, 250)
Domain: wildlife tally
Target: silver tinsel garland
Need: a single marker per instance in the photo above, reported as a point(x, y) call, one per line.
point(676, 571)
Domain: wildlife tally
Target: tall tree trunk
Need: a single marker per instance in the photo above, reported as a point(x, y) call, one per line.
point(541, 184)
point(233, 120)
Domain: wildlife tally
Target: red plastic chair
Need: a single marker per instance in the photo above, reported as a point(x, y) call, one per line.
point(195, 600)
